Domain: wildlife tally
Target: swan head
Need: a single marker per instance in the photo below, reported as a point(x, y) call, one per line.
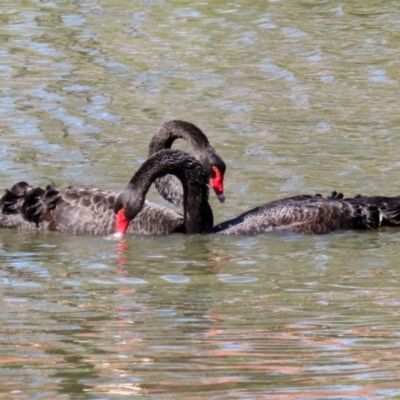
point(215, 169)
point(126, 206)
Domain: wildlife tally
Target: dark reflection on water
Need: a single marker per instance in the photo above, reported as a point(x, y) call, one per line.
point(297, 96)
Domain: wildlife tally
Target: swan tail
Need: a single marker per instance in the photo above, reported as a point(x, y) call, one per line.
point(380, 215)
point(391, 217)
point(373, 217)
point(34, 204)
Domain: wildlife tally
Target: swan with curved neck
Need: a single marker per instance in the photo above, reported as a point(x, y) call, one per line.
point(198, 216)
point(305, 214)
point(90, 210)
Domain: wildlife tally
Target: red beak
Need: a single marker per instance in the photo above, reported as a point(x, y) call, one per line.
point(217, 183)
point(121, 223)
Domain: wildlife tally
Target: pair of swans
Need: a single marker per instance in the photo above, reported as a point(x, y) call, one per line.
point(92, 211)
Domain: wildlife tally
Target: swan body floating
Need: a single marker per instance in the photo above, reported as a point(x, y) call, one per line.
point(305, 214)
point(90, 210)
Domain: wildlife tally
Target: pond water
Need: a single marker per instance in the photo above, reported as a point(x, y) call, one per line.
point(297, 97)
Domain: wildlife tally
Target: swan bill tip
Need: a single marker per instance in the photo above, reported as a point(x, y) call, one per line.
point(221, 197)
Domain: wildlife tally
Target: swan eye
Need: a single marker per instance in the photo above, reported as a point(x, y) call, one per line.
point(217, 183)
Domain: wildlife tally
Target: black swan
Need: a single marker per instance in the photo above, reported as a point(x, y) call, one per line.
point(90, 211)
point(315, 215)
point(198, 216)
point(304, 214)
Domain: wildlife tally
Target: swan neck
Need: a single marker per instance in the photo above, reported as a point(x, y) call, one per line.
point(176, 129)
point(198, 215)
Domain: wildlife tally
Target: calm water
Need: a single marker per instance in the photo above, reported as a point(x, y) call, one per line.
point(298, 97)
